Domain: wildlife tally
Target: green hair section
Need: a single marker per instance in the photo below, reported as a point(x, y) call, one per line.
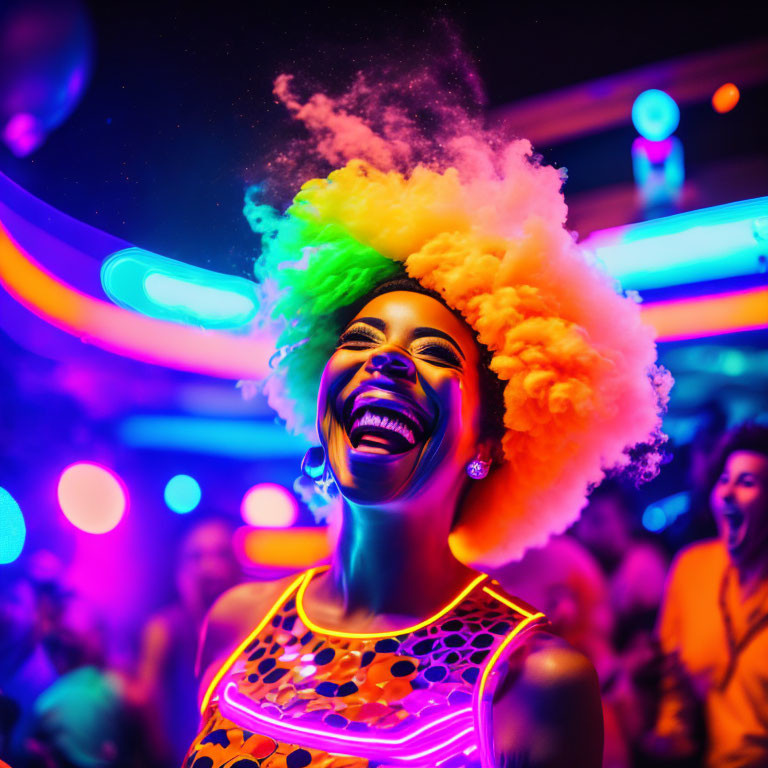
point(311, 272)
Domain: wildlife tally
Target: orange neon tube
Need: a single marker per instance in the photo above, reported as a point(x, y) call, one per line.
point(702, 316)
point(126, 333)
point(292, 548)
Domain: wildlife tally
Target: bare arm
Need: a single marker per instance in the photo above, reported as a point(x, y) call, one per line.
point(547, 711)
point(231, 619)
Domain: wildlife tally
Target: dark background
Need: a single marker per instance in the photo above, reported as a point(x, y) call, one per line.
point(179, 110)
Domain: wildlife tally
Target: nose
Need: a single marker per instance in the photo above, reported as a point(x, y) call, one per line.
point(392, 362)
point(725, 492)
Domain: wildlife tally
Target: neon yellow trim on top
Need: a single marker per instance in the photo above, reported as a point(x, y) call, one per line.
point(232, 658)
point(509, 603)
point(370, 635)
point(531, 617)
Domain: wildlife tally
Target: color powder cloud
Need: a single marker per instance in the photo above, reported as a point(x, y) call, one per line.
point(480, 220)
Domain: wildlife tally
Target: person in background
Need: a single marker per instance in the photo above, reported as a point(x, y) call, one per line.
point(567, 583)
point(713, 626)
point(166, 684)
point(25, 667)
point(634, 568)
point(634, 565)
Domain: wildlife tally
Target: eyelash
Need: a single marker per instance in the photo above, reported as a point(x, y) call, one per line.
point(360, 338)
point(442, 350)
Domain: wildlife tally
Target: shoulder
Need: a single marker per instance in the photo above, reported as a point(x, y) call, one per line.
point(554, 669)
point(234, 615)
point(547, 709)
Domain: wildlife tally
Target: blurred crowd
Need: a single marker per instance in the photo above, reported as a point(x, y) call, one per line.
point(677, 628)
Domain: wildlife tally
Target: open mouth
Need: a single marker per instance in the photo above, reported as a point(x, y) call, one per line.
point(383, 425)
point(734, 526)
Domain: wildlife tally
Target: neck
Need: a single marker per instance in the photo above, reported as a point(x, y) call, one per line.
point(394, 561)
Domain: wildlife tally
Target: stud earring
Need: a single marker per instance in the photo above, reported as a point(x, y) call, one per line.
point(477, 469)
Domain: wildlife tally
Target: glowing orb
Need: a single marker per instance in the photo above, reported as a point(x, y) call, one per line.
point(655, 115)
point(92, 497)
point(182, 494)
point(269, 505)
point(13, 531)
point(725, 98)
point(654, 519)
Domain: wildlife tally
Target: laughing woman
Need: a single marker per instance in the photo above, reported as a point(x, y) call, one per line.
point(469, 375)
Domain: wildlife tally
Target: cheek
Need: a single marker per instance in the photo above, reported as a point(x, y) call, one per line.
point(336, 374)
point(755, 502)
point(459, 401)
point(716, 499)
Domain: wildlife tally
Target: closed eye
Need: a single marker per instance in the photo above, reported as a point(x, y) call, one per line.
point(358, 337)
point(439, 350)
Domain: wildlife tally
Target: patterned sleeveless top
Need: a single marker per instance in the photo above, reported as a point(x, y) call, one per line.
point(294, 695)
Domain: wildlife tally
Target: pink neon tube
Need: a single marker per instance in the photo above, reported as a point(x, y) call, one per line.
point(413, 746)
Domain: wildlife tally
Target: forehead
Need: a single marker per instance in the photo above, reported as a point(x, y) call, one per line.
point(747, 461)
point(403, 311)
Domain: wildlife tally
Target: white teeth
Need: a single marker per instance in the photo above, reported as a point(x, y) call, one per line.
point(369, 419)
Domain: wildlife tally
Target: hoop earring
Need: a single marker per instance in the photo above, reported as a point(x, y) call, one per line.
point(315, 467)
point(477, 469)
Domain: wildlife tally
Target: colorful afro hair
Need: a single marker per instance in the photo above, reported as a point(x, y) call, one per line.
point(487, 233)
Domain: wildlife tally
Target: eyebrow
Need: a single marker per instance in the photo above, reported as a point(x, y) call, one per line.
point(418, 333)
point(376, 322)
point(426, 331)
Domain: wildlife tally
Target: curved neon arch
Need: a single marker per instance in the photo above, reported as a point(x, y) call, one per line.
point(123, 332)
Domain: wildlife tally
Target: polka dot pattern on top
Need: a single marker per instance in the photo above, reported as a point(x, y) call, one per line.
point(364, 686)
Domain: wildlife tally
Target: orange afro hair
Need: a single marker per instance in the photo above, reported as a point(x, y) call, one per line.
point(488, 235)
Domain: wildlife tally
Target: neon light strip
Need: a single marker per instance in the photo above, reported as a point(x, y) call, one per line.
point(707, 244)
point(232, 658)
point(486, 749)
point(125, 333)
point(168, 289)
point(239, 438)
point(369, 635)
point(703, 316)
point(394, 750)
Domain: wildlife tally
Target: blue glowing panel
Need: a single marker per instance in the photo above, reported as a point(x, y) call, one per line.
point(661, 514)
point(13, 530)
point(655, 114)
point(709, 244)
point(182, 494)
point(216, 437)
point(172, 290)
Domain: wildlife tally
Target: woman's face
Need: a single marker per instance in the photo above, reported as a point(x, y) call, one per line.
point(399, 401)
point(740, 504)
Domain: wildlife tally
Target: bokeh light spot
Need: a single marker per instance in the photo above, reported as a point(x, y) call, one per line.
point(92, 497)
point(655, 115)
point(725, 98)
point(654, 518)
point(268, 505)
point(182, 494)
point(13, 531)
